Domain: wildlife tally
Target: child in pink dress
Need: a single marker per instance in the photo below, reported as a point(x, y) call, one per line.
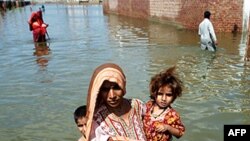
point(161, 121)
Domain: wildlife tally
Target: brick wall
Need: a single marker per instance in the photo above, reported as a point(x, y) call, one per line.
point(187, 13)
point(132, 8)
point(247, 54)
point(165, 8)
point(225, 14)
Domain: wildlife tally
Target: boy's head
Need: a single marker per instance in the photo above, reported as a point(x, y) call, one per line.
point(80, 119)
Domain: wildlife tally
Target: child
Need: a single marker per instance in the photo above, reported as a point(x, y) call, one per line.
point(81, 120)
point(161, 121)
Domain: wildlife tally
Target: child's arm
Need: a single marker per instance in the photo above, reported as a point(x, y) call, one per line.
point(174, 125)
point(174, 131)
point(100, 135)
point(120, 138)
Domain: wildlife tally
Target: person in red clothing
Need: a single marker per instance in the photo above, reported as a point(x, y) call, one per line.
point(38, 27)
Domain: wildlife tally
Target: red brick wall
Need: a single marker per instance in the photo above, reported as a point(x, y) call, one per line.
point(132, 8)
point(224, 13)
point(165, 9)
point(187, 13)
point(247, 55)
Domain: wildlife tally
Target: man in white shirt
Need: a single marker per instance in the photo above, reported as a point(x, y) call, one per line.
point(208, 38)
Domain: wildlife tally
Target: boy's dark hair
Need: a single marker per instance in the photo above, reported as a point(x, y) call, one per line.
point(207, 14)
point(80, 112)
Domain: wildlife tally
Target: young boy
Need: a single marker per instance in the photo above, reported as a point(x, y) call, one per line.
point(81, 121)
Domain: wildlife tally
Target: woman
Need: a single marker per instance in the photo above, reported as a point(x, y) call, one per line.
point(114, 117)
point(38, 27)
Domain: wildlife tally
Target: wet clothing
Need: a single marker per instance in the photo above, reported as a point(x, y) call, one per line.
point(207, 35)
point(38, 27)
point(169, 116)
point(110, 125)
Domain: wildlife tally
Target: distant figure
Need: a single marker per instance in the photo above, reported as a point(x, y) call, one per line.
point(4, 6)
point(81, 121)
point(207, 35)
point(38, 27)
point(235, 29)
point(43, 8)
point(161, 120)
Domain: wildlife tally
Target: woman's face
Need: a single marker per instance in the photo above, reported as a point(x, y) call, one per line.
point(111, 93)
point(164, 96)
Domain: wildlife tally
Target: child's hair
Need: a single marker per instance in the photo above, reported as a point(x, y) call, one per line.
point(80, 112)
point(166, 78)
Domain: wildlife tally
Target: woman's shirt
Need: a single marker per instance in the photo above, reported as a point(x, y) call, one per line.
point(110, 125)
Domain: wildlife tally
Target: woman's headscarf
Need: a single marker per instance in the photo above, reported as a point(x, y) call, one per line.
point(35, 16)
point(110, 72)
point(32, 19)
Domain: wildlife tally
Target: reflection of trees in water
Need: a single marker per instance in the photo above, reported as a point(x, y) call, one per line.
point(42, 51)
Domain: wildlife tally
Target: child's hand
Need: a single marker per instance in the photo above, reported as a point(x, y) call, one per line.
point(161, 127)
point(121, 138)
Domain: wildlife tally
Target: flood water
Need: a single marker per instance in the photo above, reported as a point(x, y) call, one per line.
point(40, 87)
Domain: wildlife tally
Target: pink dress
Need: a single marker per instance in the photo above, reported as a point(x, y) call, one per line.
point(109, 125)
point(169, 116)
